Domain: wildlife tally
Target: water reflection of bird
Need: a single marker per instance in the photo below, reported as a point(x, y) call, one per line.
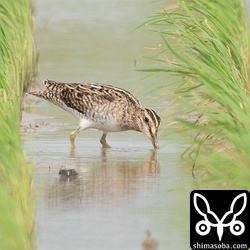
point(149, 243)
point(107, 179)
point(103, 107)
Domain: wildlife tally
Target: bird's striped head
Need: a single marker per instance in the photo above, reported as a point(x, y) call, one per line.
point(149, 123)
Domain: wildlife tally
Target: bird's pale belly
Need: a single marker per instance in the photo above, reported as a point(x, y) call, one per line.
point(103, 125)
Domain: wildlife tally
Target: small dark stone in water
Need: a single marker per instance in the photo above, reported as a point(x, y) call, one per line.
point(68, 172)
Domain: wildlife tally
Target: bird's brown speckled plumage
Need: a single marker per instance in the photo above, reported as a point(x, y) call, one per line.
point(103, 107)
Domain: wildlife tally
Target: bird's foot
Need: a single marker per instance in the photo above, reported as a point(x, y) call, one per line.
point(105, 145)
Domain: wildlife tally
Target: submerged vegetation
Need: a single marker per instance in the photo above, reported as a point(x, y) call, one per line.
point(16, 199)
point(206, 47)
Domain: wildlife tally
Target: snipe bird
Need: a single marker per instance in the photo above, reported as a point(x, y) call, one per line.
point(103, 107)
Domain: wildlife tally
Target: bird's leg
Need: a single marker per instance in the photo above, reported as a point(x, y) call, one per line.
point(73, 136)
point(103, 141)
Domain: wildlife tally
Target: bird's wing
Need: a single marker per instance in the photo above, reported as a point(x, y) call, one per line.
point(82, 97)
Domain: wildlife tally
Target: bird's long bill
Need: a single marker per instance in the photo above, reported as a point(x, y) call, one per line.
point(154, 141)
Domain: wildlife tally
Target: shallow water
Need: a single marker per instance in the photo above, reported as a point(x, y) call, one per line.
point(121, 192)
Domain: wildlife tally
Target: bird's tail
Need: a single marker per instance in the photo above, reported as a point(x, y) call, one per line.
point(40, 94)
point(53, 85)
point(48, 95)
point(51, 93)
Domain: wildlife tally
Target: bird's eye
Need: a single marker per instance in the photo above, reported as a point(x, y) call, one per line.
point(146, 119)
